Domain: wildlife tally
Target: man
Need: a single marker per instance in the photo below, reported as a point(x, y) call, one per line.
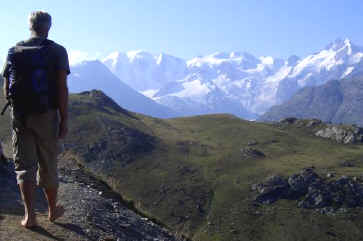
point(36, 135)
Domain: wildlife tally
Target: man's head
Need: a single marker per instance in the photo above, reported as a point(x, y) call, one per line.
point(40, 23)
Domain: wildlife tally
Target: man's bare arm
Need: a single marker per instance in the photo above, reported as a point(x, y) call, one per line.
point(6, 87)
point(63, 102)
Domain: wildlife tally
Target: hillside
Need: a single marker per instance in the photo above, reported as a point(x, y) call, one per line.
point(335, 101)
point(93, 210)
point(195, 174)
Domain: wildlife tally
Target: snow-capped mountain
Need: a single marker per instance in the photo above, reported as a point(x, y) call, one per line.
point(144, 71)
point(236, 82)
point(90, 75)
point(338, 60)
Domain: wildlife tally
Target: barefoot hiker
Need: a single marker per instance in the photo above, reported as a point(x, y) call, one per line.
point(35, 85)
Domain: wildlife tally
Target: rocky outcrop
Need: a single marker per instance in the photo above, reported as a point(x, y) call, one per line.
point(345, 134)
point(273, 189)
point(342, 134)
point(312, 191)
point(309, 123)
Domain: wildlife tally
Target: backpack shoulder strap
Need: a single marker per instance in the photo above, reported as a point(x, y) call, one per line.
point(45, 42)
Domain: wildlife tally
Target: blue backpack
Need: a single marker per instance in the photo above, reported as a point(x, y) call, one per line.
point(29, 80)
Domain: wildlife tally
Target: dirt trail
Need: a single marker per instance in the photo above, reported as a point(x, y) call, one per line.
point(94, 212)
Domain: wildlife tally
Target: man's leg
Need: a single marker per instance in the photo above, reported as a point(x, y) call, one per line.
point(24, 157)
point(54, 210)
point(27, 194)
point(46, 126)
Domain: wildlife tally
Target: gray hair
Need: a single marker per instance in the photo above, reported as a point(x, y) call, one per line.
point(40, 21)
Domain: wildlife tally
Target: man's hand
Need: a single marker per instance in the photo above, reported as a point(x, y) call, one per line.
point(63, 129)
point(6, 87)
point(63, 103)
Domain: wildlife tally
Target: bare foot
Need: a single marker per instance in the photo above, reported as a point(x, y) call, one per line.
point(57, 213)
point(29, 222)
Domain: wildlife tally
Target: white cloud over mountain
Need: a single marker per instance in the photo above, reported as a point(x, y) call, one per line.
point(78, 56)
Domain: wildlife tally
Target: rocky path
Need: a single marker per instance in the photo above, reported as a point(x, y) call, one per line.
point(94, 212)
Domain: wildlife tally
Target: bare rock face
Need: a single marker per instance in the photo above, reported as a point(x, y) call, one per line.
point(342, 134)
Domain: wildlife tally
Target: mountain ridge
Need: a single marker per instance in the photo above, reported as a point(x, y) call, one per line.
point(89, 75)
point(254, 84)
point(337, 101)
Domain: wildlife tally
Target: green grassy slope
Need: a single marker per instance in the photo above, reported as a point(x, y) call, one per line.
point(195, 179)
point(190, 173)
point(215, 151)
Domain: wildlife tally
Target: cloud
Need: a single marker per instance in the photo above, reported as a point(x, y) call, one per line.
point(77, 56)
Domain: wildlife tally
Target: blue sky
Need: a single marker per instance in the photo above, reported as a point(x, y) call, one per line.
point(188, 28)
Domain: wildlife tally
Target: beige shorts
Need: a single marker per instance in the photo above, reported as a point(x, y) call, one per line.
point(35, 148)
